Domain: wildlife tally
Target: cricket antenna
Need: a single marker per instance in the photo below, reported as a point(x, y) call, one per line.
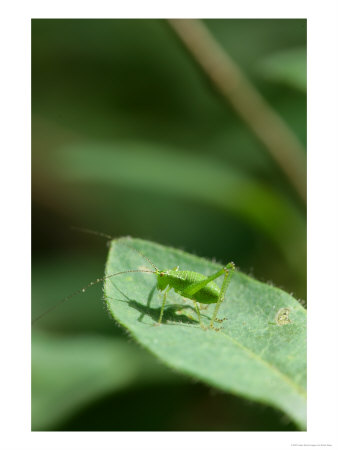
point(97, 233)
point(107, 236)
point(143, 256)
point(93, 283)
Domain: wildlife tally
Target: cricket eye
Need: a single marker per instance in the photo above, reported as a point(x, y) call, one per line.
point(161, 274)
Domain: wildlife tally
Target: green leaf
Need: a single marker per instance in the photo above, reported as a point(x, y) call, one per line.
point(70, 372)
point(288, 67)
point(251, 356)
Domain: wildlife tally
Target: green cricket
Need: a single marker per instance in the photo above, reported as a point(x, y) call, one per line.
point(199, 288)
point(195, 286)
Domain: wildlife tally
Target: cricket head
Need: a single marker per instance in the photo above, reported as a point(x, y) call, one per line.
point(162, 279)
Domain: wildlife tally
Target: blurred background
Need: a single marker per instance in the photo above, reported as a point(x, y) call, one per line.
point(131, 137)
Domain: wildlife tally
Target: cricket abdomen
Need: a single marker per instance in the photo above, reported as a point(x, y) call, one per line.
point(179, 280)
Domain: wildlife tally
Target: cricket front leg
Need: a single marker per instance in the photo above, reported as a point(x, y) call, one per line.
point(163, 304)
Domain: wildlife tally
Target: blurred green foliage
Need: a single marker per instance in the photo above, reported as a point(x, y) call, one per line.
point(286, 67)
point(123, 124)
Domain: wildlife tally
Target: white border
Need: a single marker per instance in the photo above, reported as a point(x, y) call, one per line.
point(322, 222)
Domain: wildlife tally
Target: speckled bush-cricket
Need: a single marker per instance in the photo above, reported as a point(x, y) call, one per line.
point(199, 288)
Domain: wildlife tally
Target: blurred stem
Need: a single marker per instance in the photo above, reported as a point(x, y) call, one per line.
point(280, 141)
